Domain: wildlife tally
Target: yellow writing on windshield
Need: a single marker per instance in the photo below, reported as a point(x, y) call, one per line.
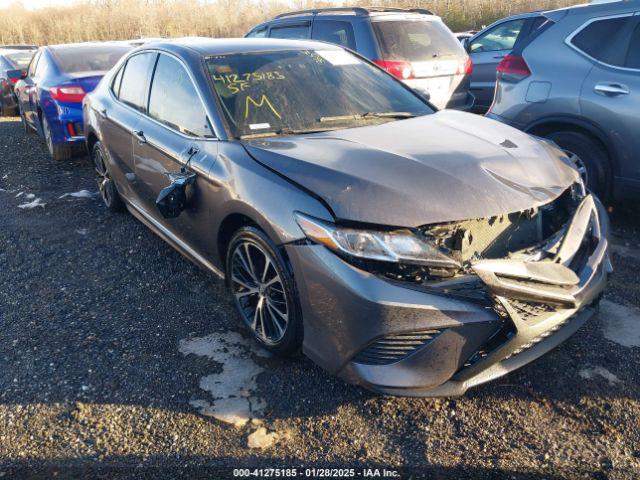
point(259, 104)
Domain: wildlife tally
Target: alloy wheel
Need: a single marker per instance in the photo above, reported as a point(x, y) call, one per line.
point(47, 135)
point(579, 164)
point(259, 292)
point(103, 178)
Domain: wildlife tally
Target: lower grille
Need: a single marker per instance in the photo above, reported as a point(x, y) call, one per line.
point(530, 311)
point(538, 339)
point(393, 348)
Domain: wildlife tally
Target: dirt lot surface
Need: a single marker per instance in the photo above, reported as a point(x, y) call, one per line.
point(120, 359)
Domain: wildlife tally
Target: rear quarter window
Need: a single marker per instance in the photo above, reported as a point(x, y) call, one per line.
point(633, 53)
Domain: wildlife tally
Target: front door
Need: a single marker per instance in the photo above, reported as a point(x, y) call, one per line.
point(176, 135)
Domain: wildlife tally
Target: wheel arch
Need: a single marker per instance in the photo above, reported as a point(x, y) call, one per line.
point(551, 124)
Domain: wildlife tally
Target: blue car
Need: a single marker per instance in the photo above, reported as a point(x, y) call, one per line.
point(51, 93)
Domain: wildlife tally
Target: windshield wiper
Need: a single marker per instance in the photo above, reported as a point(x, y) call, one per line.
point(340, 118)
point(284, 131)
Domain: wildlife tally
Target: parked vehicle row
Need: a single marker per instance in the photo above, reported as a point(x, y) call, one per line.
point(410, 250)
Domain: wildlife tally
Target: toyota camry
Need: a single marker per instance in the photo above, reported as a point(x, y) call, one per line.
point(408, 250)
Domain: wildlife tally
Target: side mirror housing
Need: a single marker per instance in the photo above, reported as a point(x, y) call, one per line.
point(174, 198)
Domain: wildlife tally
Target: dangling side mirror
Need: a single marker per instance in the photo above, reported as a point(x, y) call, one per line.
point(173, 199)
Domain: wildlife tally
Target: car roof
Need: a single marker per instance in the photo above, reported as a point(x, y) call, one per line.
point(218, 46)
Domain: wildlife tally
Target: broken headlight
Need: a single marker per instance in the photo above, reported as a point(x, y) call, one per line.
point(398, 246)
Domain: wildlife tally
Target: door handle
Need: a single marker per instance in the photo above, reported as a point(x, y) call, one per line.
point(139, 134)
point(611, 89)
point(499, 57)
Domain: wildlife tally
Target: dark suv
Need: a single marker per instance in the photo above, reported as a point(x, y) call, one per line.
point(414, 45)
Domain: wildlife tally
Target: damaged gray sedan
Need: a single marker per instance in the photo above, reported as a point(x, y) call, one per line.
point(410, 251)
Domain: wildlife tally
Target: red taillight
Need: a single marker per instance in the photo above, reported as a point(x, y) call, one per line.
point(466, 67)
point(401, 70)
point(68, 93)
point(13, 80)
point(513, 68)
point(71, 129)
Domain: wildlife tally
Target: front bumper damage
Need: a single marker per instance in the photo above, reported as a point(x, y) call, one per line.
point(441, 339)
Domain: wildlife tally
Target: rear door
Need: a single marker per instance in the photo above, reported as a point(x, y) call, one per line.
point(611, 92)
point(487, 50)
point(119, 118)
point(175, 134)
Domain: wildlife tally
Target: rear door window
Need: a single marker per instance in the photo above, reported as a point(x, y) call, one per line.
point(297, 31)
point(415, 40)
point(174, 101)
point(499, 38)
point(332, 31)
point(135, 80)
point(633, 53)
point(603, 40)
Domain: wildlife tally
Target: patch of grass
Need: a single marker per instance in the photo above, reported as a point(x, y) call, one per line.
point(126, 19)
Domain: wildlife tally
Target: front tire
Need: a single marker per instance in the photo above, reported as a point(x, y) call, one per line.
point(107, 187)
point(58, 151)
point(590, 158)
point(264, 291)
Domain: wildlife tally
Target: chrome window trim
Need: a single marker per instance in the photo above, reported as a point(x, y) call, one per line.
point(572, 35)
point(147, 116)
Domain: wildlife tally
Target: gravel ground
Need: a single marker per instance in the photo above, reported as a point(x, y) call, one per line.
point(104, 348)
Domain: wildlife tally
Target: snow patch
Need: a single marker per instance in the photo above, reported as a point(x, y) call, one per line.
point(81, 194)
point(82, 231)
point(261, 438)
point(29, 196)
point(19, 194)
point(621, 324)
point(35, 203)
point(234, 388)
point(591, 373)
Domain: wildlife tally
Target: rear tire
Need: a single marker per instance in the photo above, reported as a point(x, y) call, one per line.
point(592, 155)
point(107, 187)
point(58, 151)
point(264, 291)
point(8, 111)
point(25, 126)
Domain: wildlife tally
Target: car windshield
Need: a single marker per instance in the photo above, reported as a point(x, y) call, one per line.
point(301, 91)
point(415, 40)
point(89, 58)
point(19, 59)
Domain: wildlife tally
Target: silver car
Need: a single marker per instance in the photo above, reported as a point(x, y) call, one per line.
point(576, 81)
point(488, 47)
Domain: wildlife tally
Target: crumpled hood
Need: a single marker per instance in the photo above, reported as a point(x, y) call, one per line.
point(449, 166)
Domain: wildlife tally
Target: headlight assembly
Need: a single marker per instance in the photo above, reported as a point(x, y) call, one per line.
point(399, 246)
